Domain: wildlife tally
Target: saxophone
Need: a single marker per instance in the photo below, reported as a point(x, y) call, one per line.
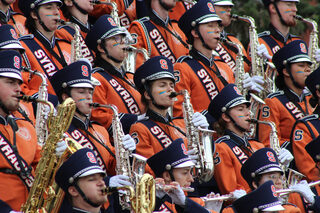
point(41, 118)
point(49, 160)
point(198, 139)
point(239, 74)
point(313, 40)
point(76, 53)
point(130, 61)
point(114, 12)
point(143, 199)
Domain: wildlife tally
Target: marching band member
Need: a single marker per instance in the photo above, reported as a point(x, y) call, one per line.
point(281, 14)
point(305, 130)
point(20, 151)
point(44, 51)
point(200, 73)
point(108, 41)
point(82, 179)
point(157, 34)
point(8, 16)
point(290, 103)
point(263, 199)
point(9, 41)
point(155, 81)
point(232, 114)
point(172, 166)
point(228, 53)
point(264, 166)
point(76, 12)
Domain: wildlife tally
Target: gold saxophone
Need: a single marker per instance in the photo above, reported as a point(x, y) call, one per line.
point(48, 163)
point(76, 53)
point(239, 71)
point(199, 140)
point(114, 12)
point(130, 62)
point(143, 199)
point(313, 40)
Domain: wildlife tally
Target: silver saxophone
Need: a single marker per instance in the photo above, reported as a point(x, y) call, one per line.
point(41, 114)
point(114, 12)
point(130, 62)
point(239, 71)
point(76, 53)
point(313, 40)
point(198, 139)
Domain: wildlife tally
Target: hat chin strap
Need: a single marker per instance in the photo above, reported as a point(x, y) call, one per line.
point(291, 77)
point(79, 8)
point(84, 197)
point(107, 54)
point(235, 124)
point(280, 16)
point(41, 22)
point(164, 5)
point(204, 44)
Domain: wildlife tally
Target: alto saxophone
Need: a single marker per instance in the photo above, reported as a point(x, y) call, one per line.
point(313, 40)
point(48, 163)
point(114, 12)
point(143, 200)
point(130, 62)
point(76, 53)
point(199, 140)
point(239, 71)
point(41, 118)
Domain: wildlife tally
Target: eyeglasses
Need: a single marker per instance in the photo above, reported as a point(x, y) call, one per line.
point(275, 177)
point(120, 39)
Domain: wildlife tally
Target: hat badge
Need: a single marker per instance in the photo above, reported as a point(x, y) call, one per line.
point(211, 7)
point(14, 34)
point(163, 64)
point(91, 157)
point(16, 62)
point(111, 21)
point(303, 48)
point(84, 70)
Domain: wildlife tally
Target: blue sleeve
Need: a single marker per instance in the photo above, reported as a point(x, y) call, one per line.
point(191, 207)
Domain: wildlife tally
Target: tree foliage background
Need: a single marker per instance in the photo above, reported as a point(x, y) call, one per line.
point(256, 9)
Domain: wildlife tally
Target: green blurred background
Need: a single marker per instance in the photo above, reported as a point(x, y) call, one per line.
point(255, 8)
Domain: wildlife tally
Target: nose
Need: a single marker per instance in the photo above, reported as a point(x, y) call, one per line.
point(190, 178)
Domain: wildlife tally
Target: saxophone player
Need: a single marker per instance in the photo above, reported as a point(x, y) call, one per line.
point(305, 130)
point(291, 102)
point(172, 166)
point(20, 152)
point(155, 81)
point(82, 179)
point(75, 81)
point(264, 166)
point(109, 41)
point(233, 148)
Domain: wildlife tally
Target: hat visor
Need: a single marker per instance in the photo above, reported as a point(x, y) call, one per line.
point(11, 75)
point(187, 163)
point(116, 32)
point(274, 208)
point(243, 101)
point(50, 1)
point(272, 169)
point(224, 3)
point(13, 46)
point(210, 19)
point(92, 171)
point(95, 82)
point(292, 0)
point(83, 85)
point(161, 76)
point(301, 59)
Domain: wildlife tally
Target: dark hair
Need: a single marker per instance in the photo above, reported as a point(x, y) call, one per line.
point(65, 91)
point(30, 24)
point(280, 82)
point(255, 180)
point(220, 126)
point(65, 11)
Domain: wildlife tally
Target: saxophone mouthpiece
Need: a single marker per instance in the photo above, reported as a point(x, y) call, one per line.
point(252, 120)
point(27, 98)
point(174, 94)
point(95, 2)
point(298, 17)
point(94, 105)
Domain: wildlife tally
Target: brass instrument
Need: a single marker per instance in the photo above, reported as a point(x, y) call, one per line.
point(41, 118)
point(130, 62)
point(283, 192)
point(144, 198)
point(239, 71)
point(49, 160)
point(76, 53)
point(114, 12)
point(313, 40)
point(199, 140)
